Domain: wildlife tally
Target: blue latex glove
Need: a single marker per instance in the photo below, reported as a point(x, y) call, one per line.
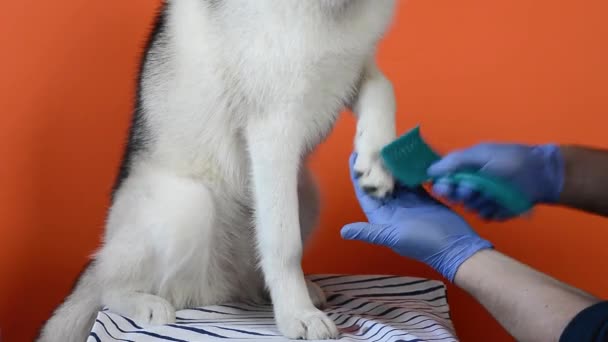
point(417, 226)
point(537, 171)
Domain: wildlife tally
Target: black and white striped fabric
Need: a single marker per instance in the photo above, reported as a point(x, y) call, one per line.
point(365, 308)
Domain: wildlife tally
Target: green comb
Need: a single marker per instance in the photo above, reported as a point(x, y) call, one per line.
point(409, 157)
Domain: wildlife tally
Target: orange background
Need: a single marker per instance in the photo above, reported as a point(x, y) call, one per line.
point(507, 70)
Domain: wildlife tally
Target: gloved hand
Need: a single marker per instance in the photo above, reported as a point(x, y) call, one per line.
point(537, 171)
point(417, 226)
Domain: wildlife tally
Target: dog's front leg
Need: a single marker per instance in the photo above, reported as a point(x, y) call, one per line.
point(275, 147)
point(375, 109)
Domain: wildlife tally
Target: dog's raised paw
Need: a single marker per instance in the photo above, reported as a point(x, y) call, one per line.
point(153, 310)
point(372, 176)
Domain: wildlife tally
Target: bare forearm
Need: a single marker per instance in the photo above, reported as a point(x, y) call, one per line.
point(586, 179)
point(531, 306)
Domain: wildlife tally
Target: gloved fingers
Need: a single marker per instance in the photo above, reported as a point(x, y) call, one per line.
point(444, 188)
point(472, 158)
point(485, 210)
point(372, 233)
point(476, 202)
point(454, 192)
point(489, 211)
point(485, 206)
point(502, 215)
point(465, 191)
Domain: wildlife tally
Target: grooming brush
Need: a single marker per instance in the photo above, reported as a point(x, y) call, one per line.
point(409, 157)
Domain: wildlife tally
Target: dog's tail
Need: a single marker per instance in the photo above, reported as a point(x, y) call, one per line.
point(73, 319)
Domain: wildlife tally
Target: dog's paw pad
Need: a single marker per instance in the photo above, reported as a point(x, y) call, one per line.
point(374, 179)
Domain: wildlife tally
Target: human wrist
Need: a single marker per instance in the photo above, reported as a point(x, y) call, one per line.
point(585, 184)
point(552, 173)
point(449, 260)
point(473, 270)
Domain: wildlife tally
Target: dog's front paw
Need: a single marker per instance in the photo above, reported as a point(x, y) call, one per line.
point(373, 178)
point(308, 324)
point(153, 310)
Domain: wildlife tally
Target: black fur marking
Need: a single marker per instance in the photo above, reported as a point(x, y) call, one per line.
point(214, 4)
point(337, 10)
point(369, 189)
point(138, 137)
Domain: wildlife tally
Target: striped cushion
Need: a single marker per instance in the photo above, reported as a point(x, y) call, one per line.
point(364, 307)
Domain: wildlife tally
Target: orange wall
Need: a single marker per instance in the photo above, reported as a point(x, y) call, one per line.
point(516, 70)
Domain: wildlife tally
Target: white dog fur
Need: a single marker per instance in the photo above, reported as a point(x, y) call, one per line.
point(233, 95)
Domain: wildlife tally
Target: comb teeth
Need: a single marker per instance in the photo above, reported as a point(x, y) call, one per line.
point(408, 158)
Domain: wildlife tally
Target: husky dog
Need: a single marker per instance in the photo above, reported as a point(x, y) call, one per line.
point(213, 201)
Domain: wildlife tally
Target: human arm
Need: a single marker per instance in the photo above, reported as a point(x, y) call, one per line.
point(572, 176)
point(529, 304)
point(586, 179)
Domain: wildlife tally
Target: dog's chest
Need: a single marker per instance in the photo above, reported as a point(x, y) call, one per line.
point(305, 58)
